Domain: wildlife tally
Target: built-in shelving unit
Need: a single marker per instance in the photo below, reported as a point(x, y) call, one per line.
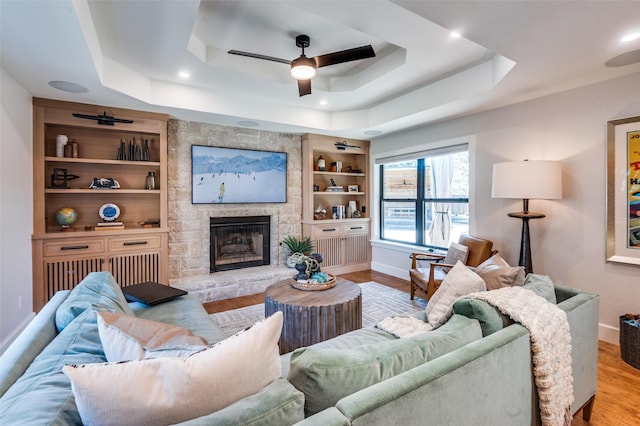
point(343, 241)
point(134, 252)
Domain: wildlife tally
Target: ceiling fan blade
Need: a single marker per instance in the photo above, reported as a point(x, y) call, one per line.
point(348, 55)
point(304, 87)
point(258, 56)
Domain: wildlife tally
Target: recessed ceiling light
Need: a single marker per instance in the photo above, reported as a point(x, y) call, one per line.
point(247, 123)
point(455, 34)
point(68, 86)
point(184, 74)
point(323, 102)
point(630, 37)
point(372, 132)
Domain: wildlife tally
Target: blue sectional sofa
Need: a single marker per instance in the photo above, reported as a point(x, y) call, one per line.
point(475, 369)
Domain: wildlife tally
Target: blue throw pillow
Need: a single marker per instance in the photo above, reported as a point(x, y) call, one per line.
point(98, 290)
point(542, 286)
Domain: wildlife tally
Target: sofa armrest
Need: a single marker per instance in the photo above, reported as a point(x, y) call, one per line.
point(33, 339)
point(582, 315)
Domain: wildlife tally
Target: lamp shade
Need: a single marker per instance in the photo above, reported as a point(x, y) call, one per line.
point(527, 180)
point(303, 68)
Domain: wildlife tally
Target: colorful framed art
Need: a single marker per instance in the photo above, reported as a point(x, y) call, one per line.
point(623, 190)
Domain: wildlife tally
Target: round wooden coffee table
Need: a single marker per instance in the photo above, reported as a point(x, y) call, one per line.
point(314, 316)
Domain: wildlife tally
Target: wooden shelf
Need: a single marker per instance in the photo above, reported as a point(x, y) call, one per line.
point(102, 161)
point(100, 191)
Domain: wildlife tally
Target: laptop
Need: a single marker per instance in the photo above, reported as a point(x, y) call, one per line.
point(151, 293)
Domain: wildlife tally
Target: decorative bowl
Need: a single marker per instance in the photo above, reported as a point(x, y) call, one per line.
point(307, 286)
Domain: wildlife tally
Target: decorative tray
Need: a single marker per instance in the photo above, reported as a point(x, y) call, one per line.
point(314, 286)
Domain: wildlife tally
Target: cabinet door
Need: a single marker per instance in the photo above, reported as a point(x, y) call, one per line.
point(133, 268)
point(356, 249)
point(62, 273)
point(331, 250)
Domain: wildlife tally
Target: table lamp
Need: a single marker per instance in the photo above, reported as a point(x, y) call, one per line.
point(527, 180)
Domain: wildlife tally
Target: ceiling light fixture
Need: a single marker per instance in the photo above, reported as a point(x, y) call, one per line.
point(630, 37)
point(303, 68)
point(455, 34)
point(184, 74)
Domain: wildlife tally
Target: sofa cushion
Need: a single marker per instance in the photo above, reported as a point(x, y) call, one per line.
point(98, 290)
point(186, 311)
point(325, 375)
point(490, 319)
point(497, 273)
point(542, 286)
point(126, 338)
point(43, 391)
point(171, 390)
point(277, 404)
point(459, 281)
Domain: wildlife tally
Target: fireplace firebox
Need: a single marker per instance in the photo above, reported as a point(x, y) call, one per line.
point(239, 242)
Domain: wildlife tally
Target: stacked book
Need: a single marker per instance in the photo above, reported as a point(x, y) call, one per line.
point(101, 226)
point(338, 212)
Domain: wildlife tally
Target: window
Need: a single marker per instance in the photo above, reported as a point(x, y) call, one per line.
point(424, 200)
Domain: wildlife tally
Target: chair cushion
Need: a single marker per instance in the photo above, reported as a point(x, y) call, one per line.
point(456, 253)
point(459, 281)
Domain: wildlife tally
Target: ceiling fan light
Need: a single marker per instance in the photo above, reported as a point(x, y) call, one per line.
point(303, 68)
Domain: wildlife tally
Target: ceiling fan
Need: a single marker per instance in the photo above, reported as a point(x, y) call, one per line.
point(303, 69)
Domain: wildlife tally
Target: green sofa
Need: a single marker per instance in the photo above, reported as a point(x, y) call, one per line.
point(475, 369)
point(488, 381)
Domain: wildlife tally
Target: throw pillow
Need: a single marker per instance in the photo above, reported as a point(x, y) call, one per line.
point(327, 374)
point(99, 291)
point(457, 252)
point(497, 273)
point(126, 338)
point(173, 390)
point(458, 282)
point(542, 286)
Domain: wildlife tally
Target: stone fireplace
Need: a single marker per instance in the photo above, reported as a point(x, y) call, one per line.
point(190, 224)
point(239, 242)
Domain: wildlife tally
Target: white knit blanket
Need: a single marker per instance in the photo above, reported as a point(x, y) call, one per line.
point(550, 344)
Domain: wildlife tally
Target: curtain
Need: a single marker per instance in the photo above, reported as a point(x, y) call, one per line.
point(441, 177)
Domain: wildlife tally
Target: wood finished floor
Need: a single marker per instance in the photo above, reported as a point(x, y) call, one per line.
point(618, 397)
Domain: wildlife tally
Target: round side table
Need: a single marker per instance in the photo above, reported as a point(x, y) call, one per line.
point(314, 316)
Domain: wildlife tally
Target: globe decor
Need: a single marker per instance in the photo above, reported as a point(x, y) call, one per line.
point(66, 216)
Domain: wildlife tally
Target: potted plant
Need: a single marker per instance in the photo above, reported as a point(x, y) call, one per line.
point(298, 246)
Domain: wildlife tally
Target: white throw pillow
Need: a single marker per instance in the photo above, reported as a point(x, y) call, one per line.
point(127, 338)
point(172, 390)
point(458, 282)
point(456, 252)
point(497, 273)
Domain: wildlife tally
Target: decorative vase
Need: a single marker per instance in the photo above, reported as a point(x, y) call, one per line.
point(301, 268)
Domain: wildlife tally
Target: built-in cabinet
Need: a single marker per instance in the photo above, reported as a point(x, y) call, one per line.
point(339, 180)
point(127, 153)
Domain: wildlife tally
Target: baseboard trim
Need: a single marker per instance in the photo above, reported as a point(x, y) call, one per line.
point(403, 274)
point(609, 334)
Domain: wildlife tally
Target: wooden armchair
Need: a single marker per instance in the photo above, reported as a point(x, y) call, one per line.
point(428, 279)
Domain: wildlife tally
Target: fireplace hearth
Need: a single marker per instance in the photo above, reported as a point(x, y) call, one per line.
point(239, 242)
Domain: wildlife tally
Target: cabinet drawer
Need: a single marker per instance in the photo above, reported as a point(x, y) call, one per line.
point(328, 230)
point(73, 247)
point(147, 242)
point(355, 228)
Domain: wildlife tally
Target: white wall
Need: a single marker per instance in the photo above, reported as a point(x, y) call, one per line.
point(16, 206)
point(569, 244)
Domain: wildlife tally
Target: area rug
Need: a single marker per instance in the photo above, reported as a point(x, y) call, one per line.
point(378, 302)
